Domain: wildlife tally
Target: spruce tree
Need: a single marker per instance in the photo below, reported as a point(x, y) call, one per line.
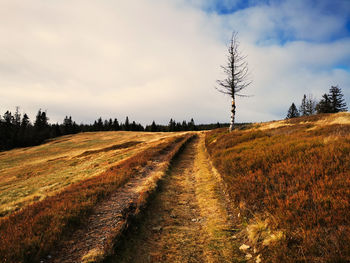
point(192, 125)
point(302, 108)
point(127, 124)
point(105, 125)
point(8, 118)
point(99, 124)
point(310, 105)
point(154, 127)
point(110, 124)
point(17, 118)
point(336, 99)
point(324, 105)
point(292, 112)
point(26, 132)
point(41, 120)
point(25, 121)
point(42, 128)
point(116, 126)
point(67, 125)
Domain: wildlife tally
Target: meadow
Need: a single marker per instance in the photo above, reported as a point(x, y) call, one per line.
point(33, 173)
point(48, 190)
point(291, 182)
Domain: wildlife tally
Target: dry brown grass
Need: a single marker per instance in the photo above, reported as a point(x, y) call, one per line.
point(292, 185)
point(26, 235)
point(31, 174)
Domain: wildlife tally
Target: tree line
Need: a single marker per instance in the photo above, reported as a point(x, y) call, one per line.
point(16, 129)
point(332, 102)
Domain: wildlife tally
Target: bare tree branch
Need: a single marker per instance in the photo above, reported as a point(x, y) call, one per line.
point(237, 72)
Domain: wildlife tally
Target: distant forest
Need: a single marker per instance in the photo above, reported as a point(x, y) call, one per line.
point(16, 130)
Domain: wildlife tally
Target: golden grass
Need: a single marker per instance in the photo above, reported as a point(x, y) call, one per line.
point(321, 120)
point(339, 118)
point(272, 125)
point(212, 206)
point(30, 174)
point(93, 256)
point(259, 232)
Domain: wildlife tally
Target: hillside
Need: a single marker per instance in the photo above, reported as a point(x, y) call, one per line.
point(266, 192)
point(48, 191)
point(290, 180)
point(30, 174)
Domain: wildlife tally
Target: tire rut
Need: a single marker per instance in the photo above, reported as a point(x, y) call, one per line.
point(172, 229)
point(107, 218)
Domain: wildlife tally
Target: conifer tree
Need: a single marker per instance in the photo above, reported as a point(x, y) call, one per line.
point(192, 125)
point(154, 127)
point(8, 118)
point(41, 121)
point(324, 105)
point(68, 125)
point(42, 128)
point(17, 118)
point(337, 101)
point(127, 124)
point(308, 106)
point(116, 126)
point(99, 124)
point(105, 125)
point(172, 125)
point(292, 112)
point(25, 121)
point(302, 108)
point(110, 124)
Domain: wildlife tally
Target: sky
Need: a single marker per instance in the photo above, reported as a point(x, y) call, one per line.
point(156, 60)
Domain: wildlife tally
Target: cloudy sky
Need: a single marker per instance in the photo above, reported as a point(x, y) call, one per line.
point(156, 59)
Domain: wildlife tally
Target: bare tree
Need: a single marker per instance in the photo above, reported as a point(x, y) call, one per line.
point(236, 71)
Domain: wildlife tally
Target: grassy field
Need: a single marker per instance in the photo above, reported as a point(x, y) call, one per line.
point(56, 185)
point(291, 181)
point(30, 174)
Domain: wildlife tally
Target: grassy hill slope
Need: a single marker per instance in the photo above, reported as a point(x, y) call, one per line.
point(30, 174)
point(291, 181)
point(55, 186)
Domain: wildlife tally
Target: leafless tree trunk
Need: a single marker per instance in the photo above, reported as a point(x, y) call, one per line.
point(236, 71)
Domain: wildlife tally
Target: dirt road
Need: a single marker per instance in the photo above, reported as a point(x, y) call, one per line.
point(187, 221)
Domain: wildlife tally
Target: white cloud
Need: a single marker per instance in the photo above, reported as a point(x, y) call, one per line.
point(155, 60)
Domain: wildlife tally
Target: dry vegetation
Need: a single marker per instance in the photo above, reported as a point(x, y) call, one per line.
point(30, 174)
point(291, 182)
point(71, 187)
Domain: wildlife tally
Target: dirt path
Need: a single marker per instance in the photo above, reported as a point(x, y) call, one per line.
point(187, 221)
point(107, 219)
point(100, 226)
